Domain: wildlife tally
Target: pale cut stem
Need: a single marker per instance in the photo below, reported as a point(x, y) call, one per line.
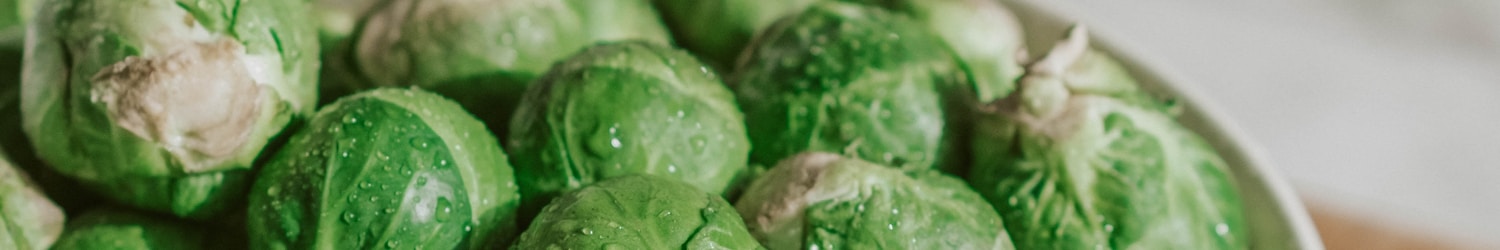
point(1044, 92)
point(1063, 55)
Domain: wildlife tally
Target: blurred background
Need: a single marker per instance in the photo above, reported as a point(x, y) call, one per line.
point(1383, 114)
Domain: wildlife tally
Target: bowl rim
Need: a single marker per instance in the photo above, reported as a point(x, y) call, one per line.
point(1251, 166)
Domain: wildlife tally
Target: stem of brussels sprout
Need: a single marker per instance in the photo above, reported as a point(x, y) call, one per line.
point(1043, 91)
point(1063, 55)
point(199, 100)
point(780, 221)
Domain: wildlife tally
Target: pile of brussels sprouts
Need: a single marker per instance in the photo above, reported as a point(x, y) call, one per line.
point(584, 124)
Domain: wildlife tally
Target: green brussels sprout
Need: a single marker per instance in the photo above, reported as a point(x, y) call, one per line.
point(982, 33)
point(31, 221)
point(111, 228)
point(1080, 158)
point(718, 30)
point(638, 212)
point(12, 139)
point(165, 104)
point(626, 108)
point(847, 78)
point(484, 54)
point(825, 201)
point(387, 168)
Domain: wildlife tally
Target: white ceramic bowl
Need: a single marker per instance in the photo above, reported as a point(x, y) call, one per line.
point(1275, 215)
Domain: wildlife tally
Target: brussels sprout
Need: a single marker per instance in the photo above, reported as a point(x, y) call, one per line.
point(626, 108)
point(718, 29)
point(1080, 158)
point(393, 168)
point(824, 201)
point(638, 212)
point(484, 54)
point(982, 33)
point(848, 78)
point(163, 104)
point(29, 219)
point(988, 41)
point(110, 228)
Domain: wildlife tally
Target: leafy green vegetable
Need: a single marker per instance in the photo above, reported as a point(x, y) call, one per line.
point(627, 108)
point(848, 78)
point(718, 30)
point(1080, 158)
point(982, 33)
point(987, 40)
point(165, 104)
point(111, 228)
point(28, 220)
point(638, 212)
point(824, 201)
point(484, 54)
point(392, 168)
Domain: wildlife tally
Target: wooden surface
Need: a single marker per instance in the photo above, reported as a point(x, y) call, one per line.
point(1342, 230)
